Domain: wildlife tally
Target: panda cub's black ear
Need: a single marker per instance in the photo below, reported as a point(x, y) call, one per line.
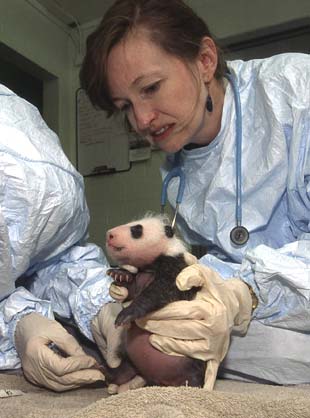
point(169, 231)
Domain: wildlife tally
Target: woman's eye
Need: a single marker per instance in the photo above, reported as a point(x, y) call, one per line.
point(152, 88)
point(125, 107)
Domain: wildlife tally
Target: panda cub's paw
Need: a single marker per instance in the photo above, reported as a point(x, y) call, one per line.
point(121, 275)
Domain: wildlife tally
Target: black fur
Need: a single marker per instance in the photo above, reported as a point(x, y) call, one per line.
point(161, 291)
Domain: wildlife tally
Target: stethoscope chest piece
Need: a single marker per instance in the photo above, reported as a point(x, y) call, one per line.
point(239, 235)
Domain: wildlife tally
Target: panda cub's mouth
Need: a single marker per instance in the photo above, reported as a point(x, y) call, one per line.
point(115, 248)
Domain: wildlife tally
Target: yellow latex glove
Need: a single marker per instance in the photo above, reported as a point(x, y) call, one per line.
point(108, 338)
point(118, 293)
point(201, 328)
point(42, 366)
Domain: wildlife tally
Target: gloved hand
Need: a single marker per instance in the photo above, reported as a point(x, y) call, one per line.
point(108, 338)
point(201, 328)
point(42, 366)
point(118, 293)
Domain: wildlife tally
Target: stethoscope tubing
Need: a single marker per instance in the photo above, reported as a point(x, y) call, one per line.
point(238, 148)
point(175, 172)
point(239, 234)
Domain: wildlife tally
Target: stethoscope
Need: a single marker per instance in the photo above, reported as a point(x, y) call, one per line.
point(239, 235)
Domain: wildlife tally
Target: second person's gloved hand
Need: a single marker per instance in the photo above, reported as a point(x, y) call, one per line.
point(42, 366)
point(201, 328)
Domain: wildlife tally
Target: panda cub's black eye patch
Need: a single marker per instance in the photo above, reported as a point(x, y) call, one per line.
point(169, 231)
point(136, 231)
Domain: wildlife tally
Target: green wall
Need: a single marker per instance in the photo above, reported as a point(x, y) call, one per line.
point(232, 17)
point(45, 48)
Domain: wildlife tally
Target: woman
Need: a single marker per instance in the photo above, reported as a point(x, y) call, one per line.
point(158, 64)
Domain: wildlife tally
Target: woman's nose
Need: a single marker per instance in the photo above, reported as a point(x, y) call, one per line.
point(144, 116)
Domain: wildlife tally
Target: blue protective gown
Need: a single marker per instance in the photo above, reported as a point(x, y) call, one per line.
point(275, 103)
point(43, 229)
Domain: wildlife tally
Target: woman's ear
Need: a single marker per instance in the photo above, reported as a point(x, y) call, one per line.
point(207, 59)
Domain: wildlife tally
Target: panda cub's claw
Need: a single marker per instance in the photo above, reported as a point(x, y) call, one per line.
point(121, 275)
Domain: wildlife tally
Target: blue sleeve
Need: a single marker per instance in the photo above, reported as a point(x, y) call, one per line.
point(21, 302)
point(280, 279)
point(43, 210)
point(77, 285)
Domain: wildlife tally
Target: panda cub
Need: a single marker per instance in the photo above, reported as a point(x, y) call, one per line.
point(150, 256)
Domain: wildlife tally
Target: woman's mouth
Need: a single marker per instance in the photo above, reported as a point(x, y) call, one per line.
point(162, 133)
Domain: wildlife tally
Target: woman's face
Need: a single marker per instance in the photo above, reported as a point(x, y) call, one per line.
point(162, 97)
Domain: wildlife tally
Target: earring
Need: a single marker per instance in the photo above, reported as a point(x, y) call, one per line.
point(209, 104)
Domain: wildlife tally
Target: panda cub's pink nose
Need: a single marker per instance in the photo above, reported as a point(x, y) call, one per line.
point(110, 236)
